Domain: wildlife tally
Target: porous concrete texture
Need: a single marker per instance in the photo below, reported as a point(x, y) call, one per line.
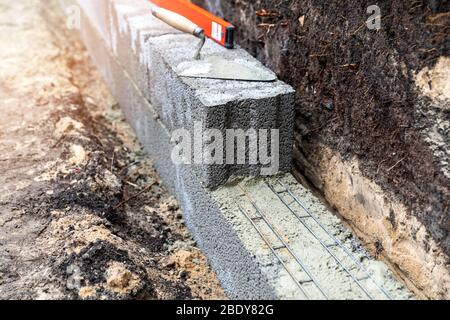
point(243, 262)
point(153, 54)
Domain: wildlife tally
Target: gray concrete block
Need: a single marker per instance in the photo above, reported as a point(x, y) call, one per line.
point(98, 13)
point(131, 24)
point(217, 104)
point(151, 53)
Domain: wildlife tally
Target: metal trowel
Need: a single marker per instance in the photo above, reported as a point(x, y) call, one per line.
point(212, 66)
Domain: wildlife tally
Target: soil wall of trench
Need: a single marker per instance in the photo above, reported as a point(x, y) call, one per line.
point(373, 108)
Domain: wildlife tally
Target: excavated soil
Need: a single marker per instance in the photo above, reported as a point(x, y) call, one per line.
point(83, 214)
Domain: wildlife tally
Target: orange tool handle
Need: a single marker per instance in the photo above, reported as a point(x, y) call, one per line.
point(214, 27)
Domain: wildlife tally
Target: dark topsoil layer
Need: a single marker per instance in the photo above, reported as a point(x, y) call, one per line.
point(355, 86)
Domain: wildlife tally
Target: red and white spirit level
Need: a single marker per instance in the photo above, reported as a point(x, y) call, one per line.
point(214, 27)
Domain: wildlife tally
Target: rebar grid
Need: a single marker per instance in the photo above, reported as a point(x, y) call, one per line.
point(335, 243)
point(285, 245)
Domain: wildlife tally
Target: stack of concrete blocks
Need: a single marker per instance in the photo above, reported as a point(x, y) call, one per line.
point(138, 56)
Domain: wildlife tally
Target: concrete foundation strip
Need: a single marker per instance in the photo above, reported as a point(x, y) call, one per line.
point(285, 245)
point(327, 247)
point(275, 253)
point(336, 243)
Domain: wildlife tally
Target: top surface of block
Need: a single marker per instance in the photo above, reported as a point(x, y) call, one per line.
point(178, 51)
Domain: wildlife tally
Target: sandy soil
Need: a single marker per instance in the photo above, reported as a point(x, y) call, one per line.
point(83, 214)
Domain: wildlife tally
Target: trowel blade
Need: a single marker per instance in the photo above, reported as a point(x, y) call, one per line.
point(215, 67)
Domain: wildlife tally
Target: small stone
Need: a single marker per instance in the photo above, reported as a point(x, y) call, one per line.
point(79, 155)
point(150, 210)
point(87, 293)
point(183, 274)
point(301, 20)
point(120, 280)
point(168, 263)
point(328, 104)
point(66, 126)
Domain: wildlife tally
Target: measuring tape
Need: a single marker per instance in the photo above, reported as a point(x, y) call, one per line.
point(215, 28)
